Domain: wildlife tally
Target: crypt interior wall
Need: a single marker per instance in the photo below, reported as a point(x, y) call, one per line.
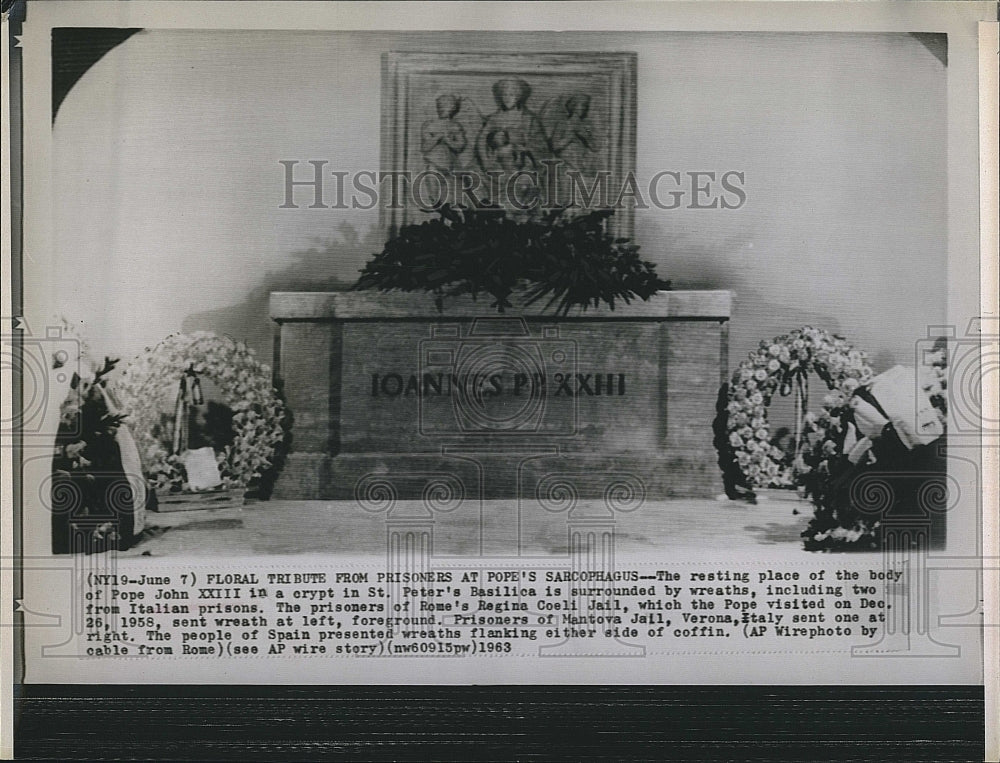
point(168, 182)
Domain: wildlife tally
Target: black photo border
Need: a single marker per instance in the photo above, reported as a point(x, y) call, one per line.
point(459, 723)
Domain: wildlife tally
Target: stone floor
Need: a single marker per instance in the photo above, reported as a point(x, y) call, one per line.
point(341, 527)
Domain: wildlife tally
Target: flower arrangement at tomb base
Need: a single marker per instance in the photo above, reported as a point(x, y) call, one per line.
point(878, 465)
point(97, 496)
point(875, 452)
point(203, 455)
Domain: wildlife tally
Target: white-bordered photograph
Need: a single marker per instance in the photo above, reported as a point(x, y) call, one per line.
point(433, 352)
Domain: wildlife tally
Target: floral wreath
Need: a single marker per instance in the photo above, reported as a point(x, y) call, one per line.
point(782, 365)
point(241, 378)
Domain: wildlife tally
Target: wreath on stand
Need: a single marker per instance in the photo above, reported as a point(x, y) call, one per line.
point(170, 371)
point(748, 456)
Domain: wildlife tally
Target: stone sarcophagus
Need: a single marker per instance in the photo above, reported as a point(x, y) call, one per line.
point(385, 389)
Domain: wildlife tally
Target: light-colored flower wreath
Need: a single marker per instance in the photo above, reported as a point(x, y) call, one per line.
point(245, 383)
point(779, 366)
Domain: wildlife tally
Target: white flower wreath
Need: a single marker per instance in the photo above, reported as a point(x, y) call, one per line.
point(245, 382)
point(776, 366)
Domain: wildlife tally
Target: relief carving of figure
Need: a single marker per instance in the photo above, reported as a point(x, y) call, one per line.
point(512, 137)
point(573, 138)
point(442, 140)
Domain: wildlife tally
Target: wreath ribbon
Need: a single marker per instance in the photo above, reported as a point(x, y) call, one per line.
point(799, 381)
point(239, 380)
point(185, 399)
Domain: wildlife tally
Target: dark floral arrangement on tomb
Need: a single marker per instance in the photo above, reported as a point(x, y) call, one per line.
point(572, 261)
point(91, 499)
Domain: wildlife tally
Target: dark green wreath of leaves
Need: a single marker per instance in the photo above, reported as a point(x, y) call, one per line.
point(567, 261)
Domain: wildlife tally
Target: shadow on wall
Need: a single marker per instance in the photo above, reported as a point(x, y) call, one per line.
point(690, 263)
point(322, 268)
point(701, 261)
